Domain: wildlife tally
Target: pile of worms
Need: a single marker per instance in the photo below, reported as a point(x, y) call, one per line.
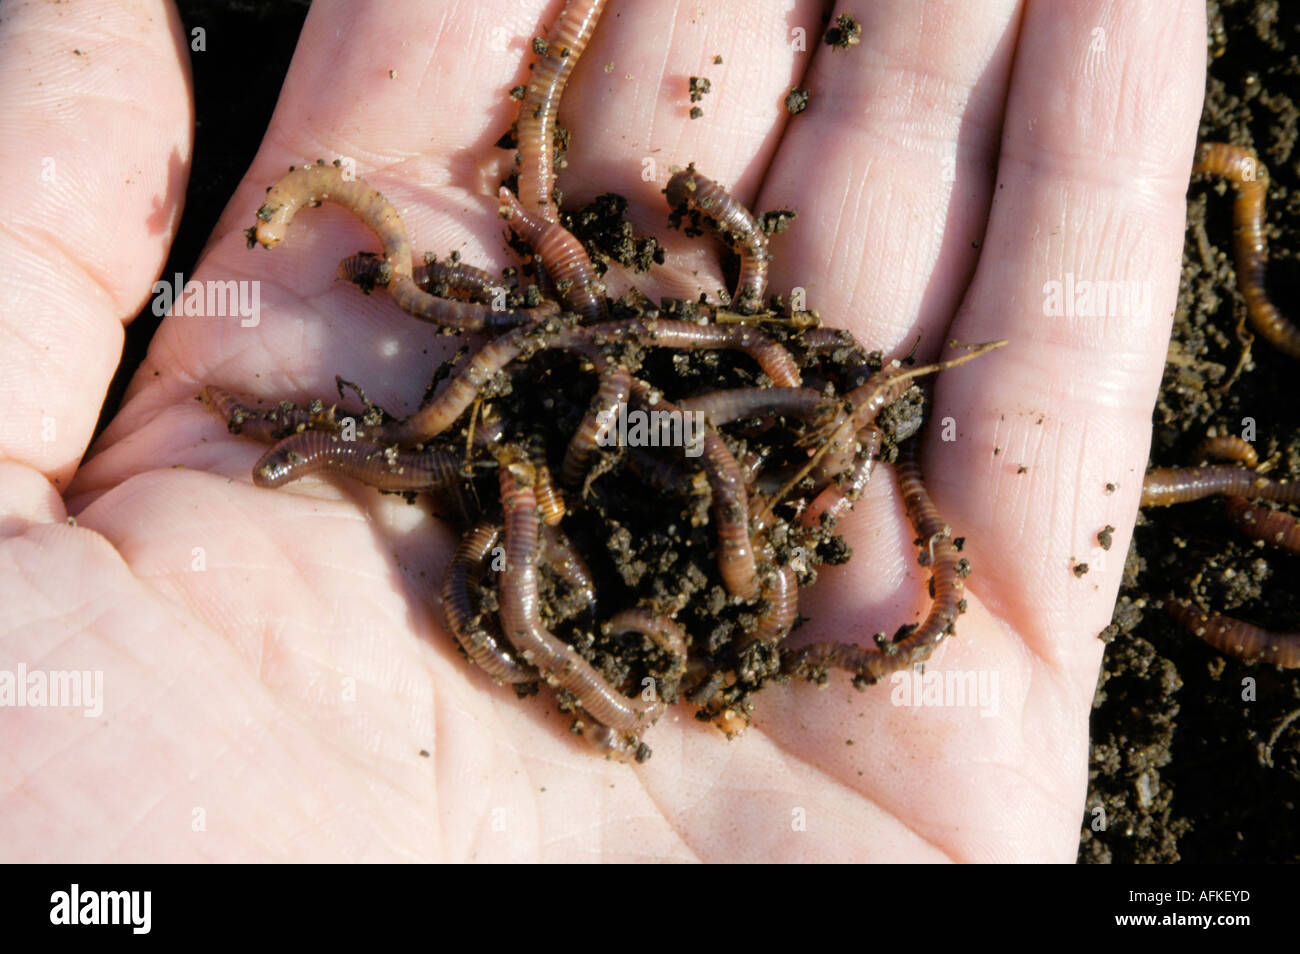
point(627, 575)
point(1165, 486)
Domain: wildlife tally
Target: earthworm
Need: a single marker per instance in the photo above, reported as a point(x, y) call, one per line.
point(1227, 447)
point(838, 497)
point(844, 349)
point(549, 501)
point(367, 270)
point(730, 500)
point(1249, 177)
point(1165, 486)
point(1261, 523)
point(664, 633)
point(567, 563)
point(563, 257)
point(386, 468)
point(463, 387)
point(723, 407)
point(946, 586)
point(612, 393)
point(1249, 643)
point(461, 391)
point(312, 185)
point(476, 631)
point(535, 128)
point(770, 355)
point(735, 224)
point(460, 315)
point(948, 570)
point(868, 400)
point(1258, 523)
point(560, 664)
point(782, 597)
point(271, 424)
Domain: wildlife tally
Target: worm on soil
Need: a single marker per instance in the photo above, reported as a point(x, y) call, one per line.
point(1249, 177)
point(612, 393)
point(730, 500)
point(1227, 447)
point(463, 388)
point(563, 257)
point(559, 663)
point(1249, 643)
point(1166, 486)
point(1261, 523)
point(1258, 523)
point(664, 633)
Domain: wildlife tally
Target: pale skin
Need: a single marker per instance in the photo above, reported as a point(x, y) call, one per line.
point(274, 661)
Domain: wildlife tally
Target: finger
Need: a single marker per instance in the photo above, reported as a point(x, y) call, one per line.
point(1092, 176)
point(901, 131)
point(889, 168)
point(626, 106)
point(97, 127)
point(629, 106)
point(383, 87)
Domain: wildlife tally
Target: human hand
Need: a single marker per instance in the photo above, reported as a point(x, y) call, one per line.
point(273, 661)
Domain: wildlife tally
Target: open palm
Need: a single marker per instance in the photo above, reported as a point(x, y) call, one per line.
point(277, 680)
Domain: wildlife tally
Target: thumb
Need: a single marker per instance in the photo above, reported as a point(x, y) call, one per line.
point(96, 119)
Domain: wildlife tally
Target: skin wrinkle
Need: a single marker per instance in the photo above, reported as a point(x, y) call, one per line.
point(73, 264)
point(845, 783)
point(83, 628)
point(29, 338)
point(49, 757)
